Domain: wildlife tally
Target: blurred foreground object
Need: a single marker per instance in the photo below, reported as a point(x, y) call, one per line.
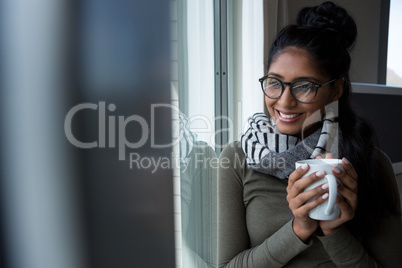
point(64, 205)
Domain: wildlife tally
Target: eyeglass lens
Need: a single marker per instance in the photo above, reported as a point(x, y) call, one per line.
point(303, 90)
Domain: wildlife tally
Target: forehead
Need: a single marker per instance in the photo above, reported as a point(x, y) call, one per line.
point(293, 63)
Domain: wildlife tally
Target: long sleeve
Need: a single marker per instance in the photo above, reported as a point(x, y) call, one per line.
point(255, 226)
point(345, 251)
point(380, 249)
point(234, 242)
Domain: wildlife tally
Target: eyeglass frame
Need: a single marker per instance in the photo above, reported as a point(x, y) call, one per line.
point(290, 84)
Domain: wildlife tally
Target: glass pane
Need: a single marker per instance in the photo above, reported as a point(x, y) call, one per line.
point(193, 98)
point(200, 49)
point(246, 63)
point(394, 62)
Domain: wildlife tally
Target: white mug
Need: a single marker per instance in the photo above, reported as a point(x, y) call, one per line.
point(327, 210)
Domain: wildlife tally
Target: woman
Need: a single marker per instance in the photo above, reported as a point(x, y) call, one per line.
point(263, 210)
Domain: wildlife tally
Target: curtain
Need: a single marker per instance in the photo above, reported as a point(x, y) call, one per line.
point(276, 16)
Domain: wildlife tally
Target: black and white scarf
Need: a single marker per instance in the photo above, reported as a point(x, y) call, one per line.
point(271, 152)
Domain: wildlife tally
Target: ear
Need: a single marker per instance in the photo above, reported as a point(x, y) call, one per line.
point(338, 89)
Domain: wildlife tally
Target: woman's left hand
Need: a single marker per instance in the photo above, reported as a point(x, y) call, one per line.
point(348, 190)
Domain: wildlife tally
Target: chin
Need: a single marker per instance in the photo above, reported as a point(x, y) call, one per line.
point(287, 131)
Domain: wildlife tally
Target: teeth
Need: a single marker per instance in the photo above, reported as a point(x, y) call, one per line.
point(288, 116)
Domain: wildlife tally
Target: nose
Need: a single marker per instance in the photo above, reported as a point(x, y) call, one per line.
point(287, 100)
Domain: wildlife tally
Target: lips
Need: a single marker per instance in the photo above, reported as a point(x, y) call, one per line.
point(288, 117)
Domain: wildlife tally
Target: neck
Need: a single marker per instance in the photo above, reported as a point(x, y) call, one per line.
point(310, 130)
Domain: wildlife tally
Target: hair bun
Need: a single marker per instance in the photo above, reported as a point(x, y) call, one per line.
point(329, 16)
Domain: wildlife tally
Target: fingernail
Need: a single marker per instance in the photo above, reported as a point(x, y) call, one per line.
point(337, 170)
point(325, 196)
point(346, 161)
point(320, 173)
point(304, 166)
point(324, 186)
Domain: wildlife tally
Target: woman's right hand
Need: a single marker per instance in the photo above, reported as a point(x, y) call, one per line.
point(303, 225)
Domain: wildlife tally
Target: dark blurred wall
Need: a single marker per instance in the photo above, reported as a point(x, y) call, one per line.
point(81, 185)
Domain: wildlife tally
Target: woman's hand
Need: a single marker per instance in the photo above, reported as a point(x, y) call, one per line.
point(348, 190)
point(303, 225)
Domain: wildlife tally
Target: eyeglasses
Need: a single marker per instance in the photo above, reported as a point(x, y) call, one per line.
point(302, 90)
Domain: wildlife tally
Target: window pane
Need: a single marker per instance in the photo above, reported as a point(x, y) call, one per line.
point(193, 88)
point(200, 47)
point(394, 68)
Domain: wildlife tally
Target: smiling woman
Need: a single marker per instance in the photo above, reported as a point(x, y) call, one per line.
point(263, 218)
point(290, 109)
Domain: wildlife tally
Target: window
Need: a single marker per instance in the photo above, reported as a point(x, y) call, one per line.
point(394, 63)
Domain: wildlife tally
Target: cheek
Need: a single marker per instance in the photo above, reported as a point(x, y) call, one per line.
point(269, 103)
point(326, 98)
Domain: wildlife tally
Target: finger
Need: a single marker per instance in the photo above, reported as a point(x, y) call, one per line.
point(304, 197)
point(348, 196)
point(344, 177)
point(318, 157)
point(349, 168)
point(297, 174)
point(299, 185)
point(305, 209)
point(347, 212)
point(328, 155)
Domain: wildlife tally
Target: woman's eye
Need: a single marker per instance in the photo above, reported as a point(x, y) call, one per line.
point(273, 84)
point(303, 85)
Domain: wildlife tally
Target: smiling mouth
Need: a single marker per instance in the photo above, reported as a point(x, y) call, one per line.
point(288, 116)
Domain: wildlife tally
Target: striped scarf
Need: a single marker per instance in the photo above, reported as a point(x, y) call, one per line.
point(271, 152)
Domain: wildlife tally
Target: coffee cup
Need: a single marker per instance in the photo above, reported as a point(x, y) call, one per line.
point(327, 210)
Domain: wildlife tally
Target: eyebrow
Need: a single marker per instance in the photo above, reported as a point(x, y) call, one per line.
point(298, 78)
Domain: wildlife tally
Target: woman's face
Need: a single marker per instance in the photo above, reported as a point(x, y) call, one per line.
point(289, 114)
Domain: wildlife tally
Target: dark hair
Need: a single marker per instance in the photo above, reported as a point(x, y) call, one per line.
point(328, 32)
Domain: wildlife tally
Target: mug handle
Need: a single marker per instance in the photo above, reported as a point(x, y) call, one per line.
point(332, 193)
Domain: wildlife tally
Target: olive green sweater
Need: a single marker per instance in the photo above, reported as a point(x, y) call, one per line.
point(255, 226)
